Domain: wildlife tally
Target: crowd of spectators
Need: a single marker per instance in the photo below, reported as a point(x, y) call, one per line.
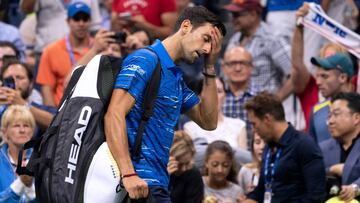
point(315, 80)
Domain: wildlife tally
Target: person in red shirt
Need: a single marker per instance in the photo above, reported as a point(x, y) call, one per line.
point(155, 16)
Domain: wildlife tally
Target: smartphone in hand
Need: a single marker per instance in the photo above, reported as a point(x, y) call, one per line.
point(9, 82)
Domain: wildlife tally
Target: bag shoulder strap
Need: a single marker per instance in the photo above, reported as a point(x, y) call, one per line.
point(151, 92)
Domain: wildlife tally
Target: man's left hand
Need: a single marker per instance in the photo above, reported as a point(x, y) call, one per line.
point(216, 42)
point(347, 193)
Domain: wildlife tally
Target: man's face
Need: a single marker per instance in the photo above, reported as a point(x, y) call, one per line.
point(341, 120)
point(260, 126)
point(22, 81)
point(196, 42)
point(113, 49)
point(242, 20)
point(5, 51)
point(237, 65)
point(329, 82)
point(79, 25)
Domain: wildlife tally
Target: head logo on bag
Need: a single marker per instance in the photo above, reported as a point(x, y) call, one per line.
point(76, 145)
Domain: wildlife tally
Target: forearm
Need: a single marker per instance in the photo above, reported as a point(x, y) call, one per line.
point(286, 89)
point(42, 117)
point(47, 95)
point(209, 103)
point(117, 140)
point(160, 32)
point(27, 6)
point(299, 72)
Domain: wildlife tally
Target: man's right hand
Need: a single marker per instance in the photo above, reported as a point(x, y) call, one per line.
point(136, 187)
point(303, 10)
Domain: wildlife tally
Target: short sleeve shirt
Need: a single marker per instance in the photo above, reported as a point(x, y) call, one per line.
point(174, 97)
point(150, 9)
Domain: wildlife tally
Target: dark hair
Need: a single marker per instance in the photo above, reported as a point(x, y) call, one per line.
point(224, 147)
point(352, 98)
point(11, 46)
point(266, 103)
point(198, 16)
point(15, 62)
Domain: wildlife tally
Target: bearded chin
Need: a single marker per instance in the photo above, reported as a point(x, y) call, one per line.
point(25, 94)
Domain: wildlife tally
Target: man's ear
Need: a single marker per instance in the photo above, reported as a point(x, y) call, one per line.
point(185, 27)
point(267, 119)
point(343, 78)
point(357, 118)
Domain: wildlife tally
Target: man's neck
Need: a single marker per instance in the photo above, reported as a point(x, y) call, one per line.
point(78, 42)
point(172, 48)
point(238, 88)
point(348, 138)
point(252, 30)
point(279, 129)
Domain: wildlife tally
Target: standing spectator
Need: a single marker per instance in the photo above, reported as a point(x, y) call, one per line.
point(292, 168)
point(105, 12)
point(186, 184)
point(237, 66)
point(17, 127)
point(69, 49)
point(329, 80)
point(220, 173)
point(155, 16)
point(23, 93)
point(249, 174)
point(270, 55)
point(11, 34)
point(198, 32)
point(342, 151)
point(51, 19)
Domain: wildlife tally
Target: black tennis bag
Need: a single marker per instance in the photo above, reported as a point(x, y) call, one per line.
point(71, 161)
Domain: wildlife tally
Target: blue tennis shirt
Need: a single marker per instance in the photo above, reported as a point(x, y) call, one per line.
point(174, 97)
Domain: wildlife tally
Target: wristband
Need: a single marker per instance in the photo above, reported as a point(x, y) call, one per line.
point(209, 75)
point(128, 175)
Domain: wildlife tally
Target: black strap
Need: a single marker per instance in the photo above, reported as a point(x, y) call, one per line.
point(151, 91)
point(73, 80)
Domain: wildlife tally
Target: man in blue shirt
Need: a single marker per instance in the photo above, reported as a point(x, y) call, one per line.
point(292, 168)
point(197, 32)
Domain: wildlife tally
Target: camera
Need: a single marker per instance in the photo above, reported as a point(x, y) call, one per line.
point(119, 37)
point(9, 82)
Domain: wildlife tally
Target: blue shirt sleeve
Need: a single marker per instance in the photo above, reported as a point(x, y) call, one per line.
point(190, 98)
point(136, 70)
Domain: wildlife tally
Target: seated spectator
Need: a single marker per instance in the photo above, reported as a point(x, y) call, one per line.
point(17, 127)
point(136, 40)
point(52, 71)
point(238, 67)
point(7, 49)
point(220, 173)
point(249, 174)
point(11, 34)
point(21, 95)
point(329, 80)
point(186, 184)
point(342, 151)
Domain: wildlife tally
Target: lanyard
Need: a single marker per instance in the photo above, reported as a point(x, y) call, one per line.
point(70, 50)
point(269, 180)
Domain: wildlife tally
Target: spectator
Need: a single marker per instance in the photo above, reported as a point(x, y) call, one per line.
point(237, 66)
point(136, 40)
point(7, 49)
point(17, 127)
point(51, 19)
point(249, 174)
point(105, 11)
point(220, 173)
point(156, 16)
point(342, 151)
point(185, 184)
point(52, 71)
point(22, 94)
point(270, 55)
point(231, 130)
point(11, 34)
point(292, 166)
point(329, 80)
